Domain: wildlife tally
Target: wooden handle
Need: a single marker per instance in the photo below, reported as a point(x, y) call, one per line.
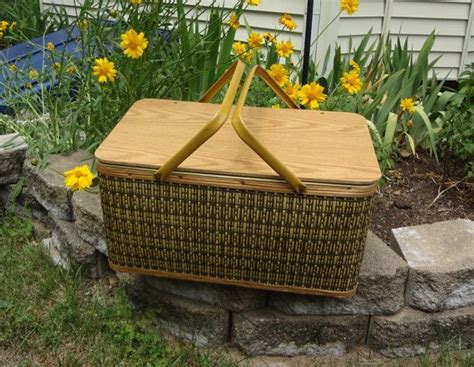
point(235, 71)
point(245, 134)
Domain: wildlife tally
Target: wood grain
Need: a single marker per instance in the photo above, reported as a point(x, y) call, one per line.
point(316, 146)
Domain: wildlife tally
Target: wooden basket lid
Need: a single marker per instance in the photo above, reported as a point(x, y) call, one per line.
point(328, 147)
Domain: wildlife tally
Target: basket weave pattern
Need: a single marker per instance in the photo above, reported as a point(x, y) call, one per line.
point(266, 238)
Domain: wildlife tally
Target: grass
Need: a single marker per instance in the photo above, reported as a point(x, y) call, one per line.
point(50, 316)
point(54, 317)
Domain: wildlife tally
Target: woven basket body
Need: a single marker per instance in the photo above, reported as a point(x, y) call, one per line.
point(285, 241)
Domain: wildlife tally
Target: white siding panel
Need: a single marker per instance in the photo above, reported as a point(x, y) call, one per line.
point(440, 10)
point(410, 26)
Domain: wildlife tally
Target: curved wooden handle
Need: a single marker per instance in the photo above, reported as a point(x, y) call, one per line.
point(211, 127)
point(245, 134)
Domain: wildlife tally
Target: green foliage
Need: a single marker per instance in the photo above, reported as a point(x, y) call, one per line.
point(456, 138)
point(46, 313)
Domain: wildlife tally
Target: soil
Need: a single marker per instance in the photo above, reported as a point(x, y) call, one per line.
point(420, 191)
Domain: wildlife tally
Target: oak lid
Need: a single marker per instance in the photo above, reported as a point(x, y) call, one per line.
point(317, 146)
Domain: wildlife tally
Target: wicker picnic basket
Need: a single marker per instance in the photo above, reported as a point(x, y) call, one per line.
point(284, 208)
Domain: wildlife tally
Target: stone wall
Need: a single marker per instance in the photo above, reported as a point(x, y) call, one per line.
point(414, 296)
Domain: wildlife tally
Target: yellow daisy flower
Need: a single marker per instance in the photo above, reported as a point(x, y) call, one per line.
point(279, 74)
point(233, 22)
point(104, 70)
point(71, 69)
point(133, 43)
point(56, 66)
point(13, 68)
point(33, 74)
point(3, 25)
point(407, 105)
point(253, 2)
point(292, 90)
point(351, 82)
point(79, 178)
point(240, 50)
point(50, 46)
point(355, 66)
point(287, 21)
point(12, 26)
point(276, 106)
point(284, 49)
point(270, 38)
point(349, 6)
point(135, 2)
point(311, 94)
point(255, 40)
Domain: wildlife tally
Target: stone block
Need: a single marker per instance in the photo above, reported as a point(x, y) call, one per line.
point(74, 247)
point(441, 261)
point(269, 332)
point(12, 155)
point(227, 297)
point(54, 251)
point(46, 185)
point(412, 332)
point(89, 219)
point(194, 321)
point(380, 291)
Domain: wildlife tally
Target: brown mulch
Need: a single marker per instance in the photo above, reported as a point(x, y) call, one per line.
point(421, 191)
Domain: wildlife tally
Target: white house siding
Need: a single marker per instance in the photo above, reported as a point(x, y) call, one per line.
point(451, 19)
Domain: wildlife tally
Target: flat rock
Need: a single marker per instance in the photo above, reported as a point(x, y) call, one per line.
point(441, 261)
point(46, 185)
point(229, 298)
point(12, 155)
point(68, 239)
point(270, 332)
point(200, 323)
point(412, 332)
point(54, 251)
point(380, 291)
point(89, 219)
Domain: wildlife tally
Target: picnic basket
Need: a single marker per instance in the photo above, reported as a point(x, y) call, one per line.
point(279, 199)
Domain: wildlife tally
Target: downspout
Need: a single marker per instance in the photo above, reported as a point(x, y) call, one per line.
point(308, 29)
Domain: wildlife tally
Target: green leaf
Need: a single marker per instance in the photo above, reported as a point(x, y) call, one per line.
point(390, 129)
point(421, 112)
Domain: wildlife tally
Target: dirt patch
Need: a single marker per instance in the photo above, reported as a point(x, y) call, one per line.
point(421, 191)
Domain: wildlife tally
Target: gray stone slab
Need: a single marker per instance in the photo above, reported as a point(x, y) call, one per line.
point(53, 249)
point(441, 261)
point(229, 298)
point(12, 155)
point(47, 185)
point(89, 219)
point(72, 245)
point(412, 332)
point(380, 291)
point(270, 332)
point(200, 323)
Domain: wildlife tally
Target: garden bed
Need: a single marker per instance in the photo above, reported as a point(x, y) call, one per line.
point(420, 191)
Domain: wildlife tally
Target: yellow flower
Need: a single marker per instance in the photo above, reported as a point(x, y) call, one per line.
point(79, 178)
point(12, 26)
point(287, 21)
point(133, 43)
point(135, 2)
point(233, 22)
point(33, 74)
point(56, 66)
point(279, 74)
point(270, 38)
point(83, 24)
point(276, 106)
point(3, 25)
point(71, 69)
point(351, 82)
point(284, 49)
point(50, 46)
point(255, 40)
point(104, 70)
point(13, 68)
point(240, 50)
point(253, 2)
point(349, 6)
point(292, 90)
point(407, 105)
point(311, 94)
point(355, 66)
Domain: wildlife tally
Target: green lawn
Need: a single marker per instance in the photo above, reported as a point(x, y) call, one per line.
point(49, 316)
